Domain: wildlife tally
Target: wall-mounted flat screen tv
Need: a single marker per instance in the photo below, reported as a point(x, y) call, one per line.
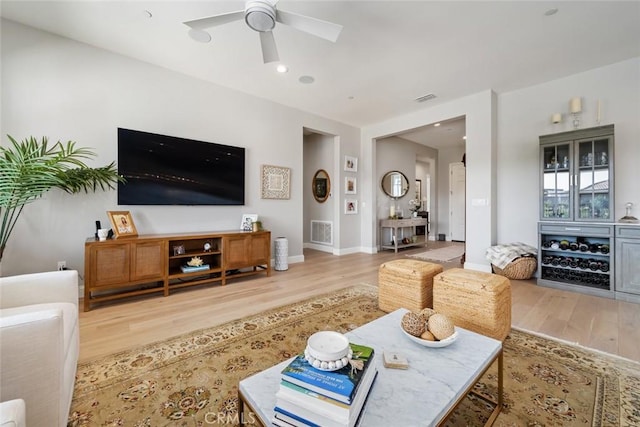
point(166, 170)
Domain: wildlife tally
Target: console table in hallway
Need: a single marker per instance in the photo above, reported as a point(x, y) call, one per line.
point(397, 228)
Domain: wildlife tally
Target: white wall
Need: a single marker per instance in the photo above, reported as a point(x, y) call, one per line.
point(502, 148)
point(525, 114)
point(65, 90)
point(398, 154)
point(318, 154)
point(479, 110)
point(55, 87)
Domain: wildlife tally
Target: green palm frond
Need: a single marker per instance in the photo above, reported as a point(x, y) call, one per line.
point(30, 168)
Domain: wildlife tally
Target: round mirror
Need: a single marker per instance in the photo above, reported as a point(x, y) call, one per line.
point(321, 186)
point(395, 184)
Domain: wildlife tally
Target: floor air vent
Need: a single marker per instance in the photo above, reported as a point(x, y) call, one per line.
point(322, 232)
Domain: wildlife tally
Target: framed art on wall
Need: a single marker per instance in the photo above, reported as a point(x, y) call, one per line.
point(350, 185)
point(276, 182)
point(350, 164)
point(350, 206)
point(122, 224)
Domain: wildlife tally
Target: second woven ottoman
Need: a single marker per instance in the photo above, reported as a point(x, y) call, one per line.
point(406, 283)
point(474, 300)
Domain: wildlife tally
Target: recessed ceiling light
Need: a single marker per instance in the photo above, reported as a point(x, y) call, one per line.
point(306, 80)
point(282, 68)
point(551, 11)
point(436, 124)
point(200, 35)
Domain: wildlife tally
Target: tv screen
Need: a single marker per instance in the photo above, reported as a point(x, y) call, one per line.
point(166, 170)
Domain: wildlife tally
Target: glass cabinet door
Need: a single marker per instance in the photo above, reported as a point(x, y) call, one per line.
point(557, 199)
point(593, 179)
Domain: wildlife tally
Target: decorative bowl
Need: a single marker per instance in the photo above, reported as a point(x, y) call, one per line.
point(328, 346)
point(327, 365)
point(433, 344)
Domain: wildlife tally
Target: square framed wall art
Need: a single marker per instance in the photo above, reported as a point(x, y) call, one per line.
point(350, 206)
point(350, 185)
point(276, 182)
point(350, 164)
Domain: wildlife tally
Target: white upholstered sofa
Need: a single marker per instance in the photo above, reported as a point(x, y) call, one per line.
point(39, 344)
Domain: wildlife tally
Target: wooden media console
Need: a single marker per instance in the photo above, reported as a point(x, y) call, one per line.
point(154, 263)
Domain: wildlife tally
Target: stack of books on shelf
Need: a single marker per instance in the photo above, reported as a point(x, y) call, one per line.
point(191, 269)
point(311, 397)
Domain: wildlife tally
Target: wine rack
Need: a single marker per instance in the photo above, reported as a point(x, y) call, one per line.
point(576, 256)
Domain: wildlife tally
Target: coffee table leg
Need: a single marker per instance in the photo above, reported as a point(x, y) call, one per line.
point(251, 419)
point(498, 408)
point(240, 408)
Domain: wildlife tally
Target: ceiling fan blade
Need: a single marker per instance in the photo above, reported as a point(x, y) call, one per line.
point(269, 49)
point(317, 27)
point(213, 21)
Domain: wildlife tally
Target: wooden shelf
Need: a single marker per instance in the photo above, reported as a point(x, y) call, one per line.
point(122, 268)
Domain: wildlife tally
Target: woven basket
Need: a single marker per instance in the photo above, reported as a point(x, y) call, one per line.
point(519, 269)
point(406, 283)
point(474, 300)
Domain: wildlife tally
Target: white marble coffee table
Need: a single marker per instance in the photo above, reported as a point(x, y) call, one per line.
point(423, 395)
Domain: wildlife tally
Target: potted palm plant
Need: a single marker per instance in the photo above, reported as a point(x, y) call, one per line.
point(30, 168)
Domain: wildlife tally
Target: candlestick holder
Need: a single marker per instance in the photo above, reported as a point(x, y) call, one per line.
point(628, 217)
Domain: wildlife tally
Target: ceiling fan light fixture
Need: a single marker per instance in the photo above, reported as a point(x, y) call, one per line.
point(260, 15)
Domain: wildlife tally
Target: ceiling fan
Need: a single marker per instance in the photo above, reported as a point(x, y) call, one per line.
point(261, 16)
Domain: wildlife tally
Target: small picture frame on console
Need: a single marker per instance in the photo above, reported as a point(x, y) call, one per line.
point(122, 224)
point(247, 222)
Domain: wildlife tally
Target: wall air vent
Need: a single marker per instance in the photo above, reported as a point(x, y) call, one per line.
point(322, 232)
point(427, 97)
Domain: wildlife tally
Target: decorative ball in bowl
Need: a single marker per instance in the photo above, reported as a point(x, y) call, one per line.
point(434, 344)
point(428, 328)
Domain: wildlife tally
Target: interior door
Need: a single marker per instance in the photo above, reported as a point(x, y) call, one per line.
point(457, 214)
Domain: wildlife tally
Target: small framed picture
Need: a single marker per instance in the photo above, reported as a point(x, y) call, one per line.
point(350, 206)
point(350, 164)
point(350, 185)
point(247, 222)
point(122, 224)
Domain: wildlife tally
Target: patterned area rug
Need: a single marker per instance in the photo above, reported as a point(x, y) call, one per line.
point(192, 380)
point(442, 254)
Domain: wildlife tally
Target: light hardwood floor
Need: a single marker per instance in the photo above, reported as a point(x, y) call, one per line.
point(599, 323)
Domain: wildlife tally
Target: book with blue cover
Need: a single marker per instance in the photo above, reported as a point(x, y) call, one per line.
point(299, 412)
point(190, 269)
point(341, 384)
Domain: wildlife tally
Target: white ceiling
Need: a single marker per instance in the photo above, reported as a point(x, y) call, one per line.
point(388, 54)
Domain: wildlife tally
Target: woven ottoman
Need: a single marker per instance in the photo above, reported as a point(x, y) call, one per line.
point(474, 300)
point(406, 283)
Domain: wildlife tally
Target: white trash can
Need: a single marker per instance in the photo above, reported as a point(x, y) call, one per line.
point(282, 253)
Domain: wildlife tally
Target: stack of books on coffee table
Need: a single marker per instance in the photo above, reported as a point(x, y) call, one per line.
point(309, 396)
